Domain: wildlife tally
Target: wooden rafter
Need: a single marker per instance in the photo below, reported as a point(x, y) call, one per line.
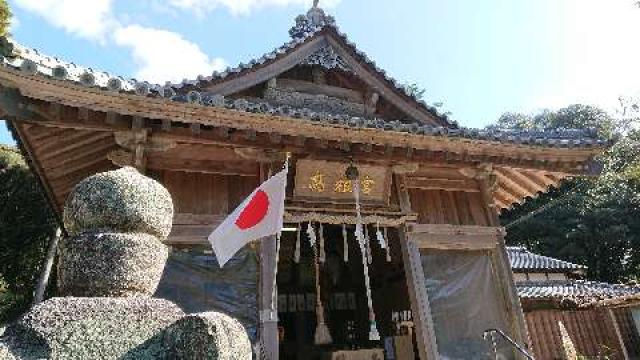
point(67, 145)
point(26, 144)
point(69, 155)
point(523, 180)
point(513, 187)
point(505, 197)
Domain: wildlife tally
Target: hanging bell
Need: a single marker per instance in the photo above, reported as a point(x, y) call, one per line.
point(351, 172)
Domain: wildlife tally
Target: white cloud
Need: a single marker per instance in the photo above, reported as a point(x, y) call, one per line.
point(89, 19)
point(153, 50)
point(164, 55)
point(597, 56)
point(241, 7)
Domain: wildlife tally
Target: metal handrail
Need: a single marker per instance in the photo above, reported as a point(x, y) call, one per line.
point(491, 332)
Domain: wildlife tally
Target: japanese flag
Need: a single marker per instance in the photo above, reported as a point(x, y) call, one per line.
point(258, 216)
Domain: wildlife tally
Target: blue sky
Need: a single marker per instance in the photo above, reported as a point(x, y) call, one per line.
point(480, 58)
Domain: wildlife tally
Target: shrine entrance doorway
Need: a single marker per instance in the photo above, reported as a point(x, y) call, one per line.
point(334, 267)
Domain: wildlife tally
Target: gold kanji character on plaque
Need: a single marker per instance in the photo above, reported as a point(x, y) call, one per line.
point(367, 184)
point(342, 186)
point(316, 182)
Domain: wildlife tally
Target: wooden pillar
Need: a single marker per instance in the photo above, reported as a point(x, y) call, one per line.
point(268, 331)
point(46, 270)
point(425, 333)
point(503, 267)
point(140, 134)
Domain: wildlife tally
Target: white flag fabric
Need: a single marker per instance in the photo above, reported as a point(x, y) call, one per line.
point(258, 216)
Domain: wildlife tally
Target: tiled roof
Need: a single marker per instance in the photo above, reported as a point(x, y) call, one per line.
point(581, 292)
point(523, 260)
point(303, 31)
point(31, 62)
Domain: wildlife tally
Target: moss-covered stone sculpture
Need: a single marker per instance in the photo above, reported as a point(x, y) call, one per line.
point(91, 328)
point(108, 267)
point(208, 335)
point(119, 201)
point(110, 264)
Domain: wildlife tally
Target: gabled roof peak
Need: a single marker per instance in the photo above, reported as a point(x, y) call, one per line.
point(314, 20)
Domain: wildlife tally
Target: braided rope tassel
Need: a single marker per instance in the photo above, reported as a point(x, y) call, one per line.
point(296, 252)
point(379, 237)
point(322, 335)
point(322, 256)
point(368, 243)
point(345, 243)
point(374, 335)
point(388, 245)
point(311, 233)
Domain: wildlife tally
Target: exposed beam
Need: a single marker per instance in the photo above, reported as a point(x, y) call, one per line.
point(442, 184)
point(180, 134)
point(246, 168)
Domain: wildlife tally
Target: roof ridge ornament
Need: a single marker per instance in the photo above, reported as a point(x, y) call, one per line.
point(314, 20)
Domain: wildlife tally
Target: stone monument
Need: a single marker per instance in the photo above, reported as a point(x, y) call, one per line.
point(109, 265)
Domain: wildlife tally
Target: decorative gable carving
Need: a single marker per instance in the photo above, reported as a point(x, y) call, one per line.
point(327, 58)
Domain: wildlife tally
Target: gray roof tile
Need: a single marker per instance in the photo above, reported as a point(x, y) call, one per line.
point(30, 61)
point(578, 290)
point(523, 260)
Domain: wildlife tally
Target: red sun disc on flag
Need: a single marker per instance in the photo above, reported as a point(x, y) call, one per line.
point(254, 212)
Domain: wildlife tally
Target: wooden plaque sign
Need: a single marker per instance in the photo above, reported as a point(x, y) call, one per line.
point(325, 180)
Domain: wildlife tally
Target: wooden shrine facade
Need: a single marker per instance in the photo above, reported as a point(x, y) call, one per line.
point(211, 141)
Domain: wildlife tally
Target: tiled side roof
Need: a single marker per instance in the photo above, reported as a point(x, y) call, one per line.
point(582, 292)
point(523, 260)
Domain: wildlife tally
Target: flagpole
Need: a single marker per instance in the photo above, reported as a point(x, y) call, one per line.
point(274, 289)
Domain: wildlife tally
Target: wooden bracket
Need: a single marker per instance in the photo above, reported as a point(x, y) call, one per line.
point(483, 173)
point(259, 155)
point(135, 145)
point(405, 168)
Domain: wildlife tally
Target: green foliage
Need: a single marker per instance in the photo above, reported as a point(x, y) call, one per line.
point(571, 117)
point(516, 121)
point(26, 224)
point(415, 90)
point(5, 18)
point(593, 221)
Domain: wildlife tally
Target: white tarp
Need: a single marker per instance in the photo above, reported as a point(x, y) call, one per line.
point(464, 302)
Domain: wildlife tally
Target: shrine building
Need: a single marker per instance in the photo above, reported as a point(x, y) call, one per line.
point(434, 275)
